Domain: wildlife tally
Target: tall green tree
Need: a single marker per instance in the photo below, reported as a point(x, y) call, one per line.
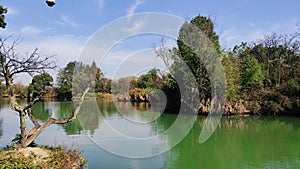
point(251, 75)
point(39, 83)
point(3, 11)
point(195, 62)
point(197, 54)
point(233, 79)
point(102, 84)
point(207, 26)
point(64, 81)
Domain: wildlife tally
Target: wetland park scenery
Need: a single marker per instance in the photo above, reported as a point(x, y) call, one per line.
point(138, 89)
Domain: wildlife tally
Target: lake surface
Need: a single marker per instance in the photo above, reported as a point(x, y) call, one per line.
point(238, 142)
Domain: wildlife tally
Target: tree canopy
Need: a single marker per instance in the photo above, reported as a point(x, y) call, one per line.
point(66, 75)
point(3, 11)
point(268, 74)
point(39, 83)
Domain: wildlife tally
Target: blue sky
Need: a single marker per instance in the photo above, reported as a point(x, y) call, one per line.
point(64, 29)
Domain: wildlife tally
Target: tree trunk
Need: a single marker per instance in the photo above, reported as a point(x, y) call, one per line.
point(28, 137)
point(23, 128)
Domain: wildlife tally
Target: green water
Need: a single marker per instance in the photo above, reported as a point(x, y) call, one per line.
point(238, 142)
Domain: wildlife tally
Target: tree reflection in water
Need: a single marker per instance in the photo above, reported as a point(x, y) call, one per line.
point(64, 111)
point(1, 127)
point(40, 112)
point(241, 142)
point(89, 116)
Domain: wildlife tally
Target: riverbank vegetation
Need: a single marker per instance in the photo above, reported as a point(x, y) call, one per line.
point(262, 77)
point(41, 157)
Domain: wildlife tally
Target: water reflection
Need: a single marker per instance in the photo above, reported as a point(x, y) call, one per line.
point(241, 143)
point(3, 102)
point(1, 127)
point(64, 111)
point(123, 129)
point(89, 116)
point(40, 112)
point(139, 112)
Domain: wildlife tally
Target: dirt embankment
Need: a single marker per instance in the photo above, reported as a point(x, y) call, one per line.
point(41, 157)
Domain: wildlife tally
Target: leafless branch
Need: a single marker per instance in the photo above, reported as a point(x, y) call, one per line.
point(12, 63)
point(163, 52)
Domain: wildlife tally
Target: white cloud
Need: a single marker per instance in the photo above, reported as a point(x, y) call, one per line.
point(64, 48)
point(136, 26)
point(229, 38)
point(133, 7)
point(252, 31)
point(123, 63)
point(286, 27)
point(30, 30)
point(65, 20)
point(11, 11)
point(170, 43)
point(256, 35)
point(232, 37)
point(100, 3)
point(252, 24)
point(120, 62)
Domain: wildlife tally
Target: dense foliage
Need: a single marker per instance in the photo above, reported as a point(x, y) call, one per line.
point(262, 77)
point(3, 11)
point(65, 79)
point(267, 74)
point(39, 83)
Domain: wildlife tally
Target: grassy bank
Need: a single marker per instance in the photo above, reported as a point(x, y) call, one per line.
point(41, 157)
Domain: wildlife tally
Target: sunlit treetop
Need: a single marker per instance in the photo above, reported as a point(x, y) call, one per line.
point(3, 11)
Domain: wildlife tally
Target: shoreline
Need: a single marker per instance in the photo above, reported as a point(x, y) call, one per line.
point(234, 109)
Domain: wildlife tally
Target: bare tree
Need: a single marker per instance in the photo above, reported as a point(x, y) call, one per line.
point(13, 64)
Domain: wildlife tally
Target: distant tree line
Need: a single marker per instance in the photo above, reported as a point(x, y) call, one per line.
point(43, 84)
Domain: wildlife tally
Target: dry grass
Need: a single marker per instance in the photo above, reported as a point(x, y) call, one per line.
point(41, 157)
